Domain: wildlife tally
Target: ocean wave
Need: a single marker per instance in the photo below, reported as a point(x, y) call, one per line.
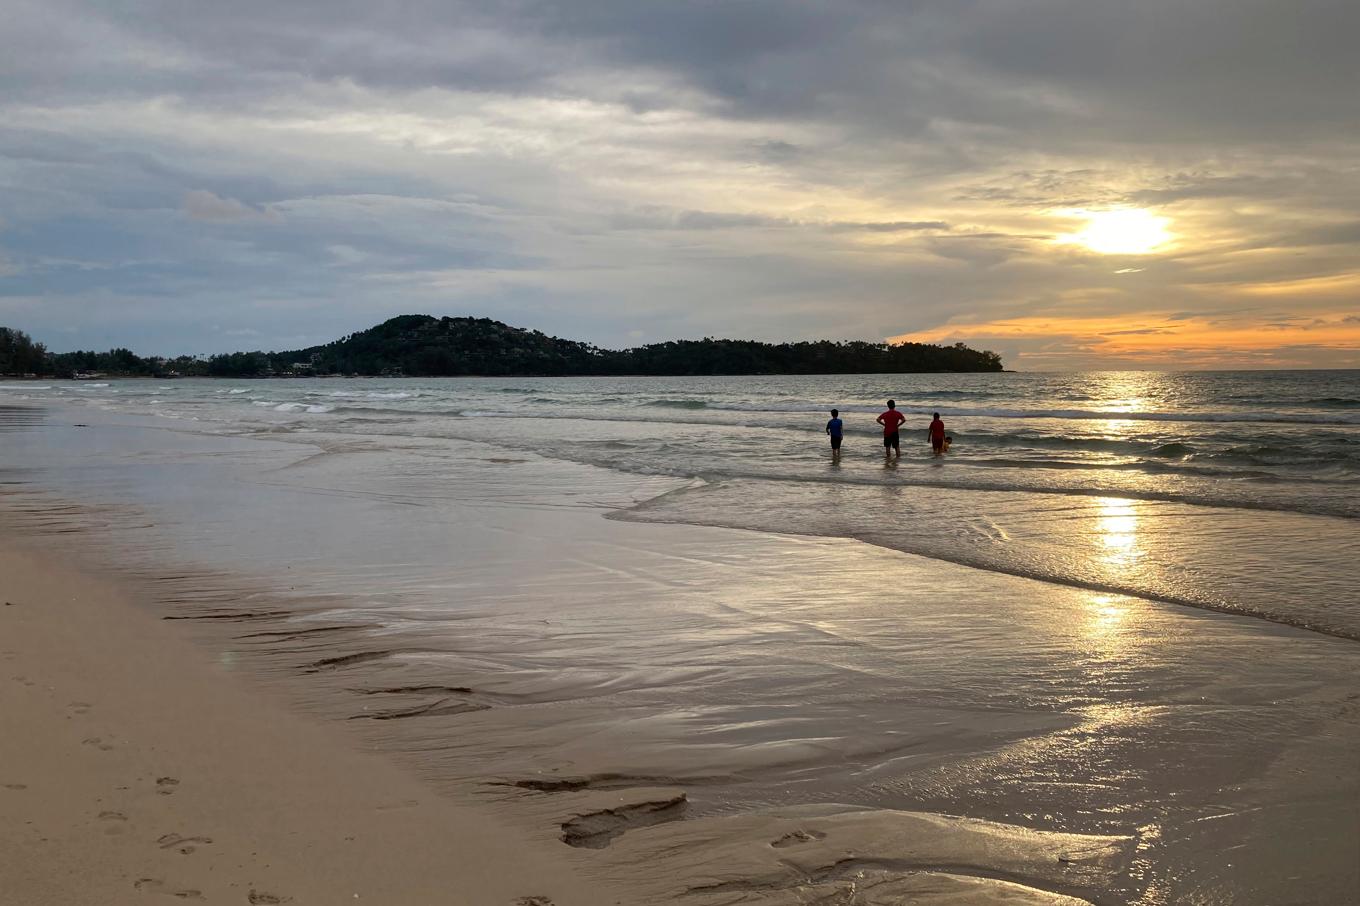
point(681, 404)
point(953, 395)
point(1278, 455)
point(1146, 467)
point(312, 408)
point(1173, 450)
point(1063, 444)
point(770, 510)
point(372, 395)
point(1282, 418)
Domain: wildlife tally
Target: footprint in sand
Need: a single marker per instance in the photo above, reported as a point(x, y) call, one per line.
point(155, 885)
point(115, 821)
point(180, 844)
point(98, 742)
point(16, 786)
point(259, 897)
point(80, 707)
point(166, 785)
point(533, 901)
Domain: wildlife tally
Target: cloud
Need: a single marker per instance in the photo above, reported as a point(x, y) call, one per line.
point(759, 169)
point(200, 204)
point(895, 226)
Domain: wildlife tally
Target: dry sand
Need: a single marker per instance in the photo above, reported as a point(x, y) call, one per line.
point(133, 770)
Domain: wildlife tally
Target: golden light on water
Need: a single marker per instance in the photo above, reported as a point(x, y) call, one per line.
point(1117, 531)
point(1120, 231)
point(1106, 615)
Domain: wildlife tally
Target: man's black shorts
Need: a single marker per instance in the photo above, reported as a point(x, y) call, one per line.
point(891, 440)
point(835, 442)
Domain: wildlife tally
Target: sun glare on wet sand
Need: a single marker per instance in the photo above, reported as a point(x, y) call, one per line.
point(1120, 231)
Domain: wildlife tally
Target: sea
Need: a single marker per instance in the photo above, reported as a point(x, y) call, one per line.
point(1228, 490)
point(1122, 604)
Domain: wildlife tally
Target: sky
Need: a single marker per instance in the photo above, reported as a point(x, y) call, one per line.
point(1092, 184)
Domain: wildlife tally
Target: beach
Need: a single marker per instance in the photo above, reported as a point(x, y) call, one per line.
point(661, 682)
point(135, 770)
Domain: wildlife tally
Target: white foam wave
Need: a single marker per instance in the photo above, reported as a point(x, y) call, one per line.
point(313, 408)
point(374, 395)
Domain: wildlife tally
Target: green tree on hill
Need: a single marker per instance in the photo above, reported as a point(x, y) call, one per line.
point(19, 355)
point(425, 346)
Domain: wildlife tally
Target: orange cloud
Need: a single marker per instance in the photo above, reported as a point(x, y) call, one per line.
point(1160, 339)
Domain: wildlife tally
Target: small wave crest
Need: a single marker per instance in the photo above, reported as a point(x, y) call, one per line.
point(1276, 455)
point(1172, 451)
point(679, 404)
point(312, 408)
point(1282, 418)
point(373, 395)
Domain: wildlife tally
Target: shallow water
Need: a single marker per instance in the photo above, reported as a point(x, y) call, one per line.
point(468, 607)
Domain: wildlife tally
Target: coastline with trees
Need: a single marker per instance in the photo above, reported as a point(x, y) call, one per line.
point(426, 346)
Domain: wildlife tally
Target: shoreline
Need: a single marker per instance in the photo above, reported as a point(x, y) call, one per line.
point(147, 770)
point(134, 765)
point(755, 741)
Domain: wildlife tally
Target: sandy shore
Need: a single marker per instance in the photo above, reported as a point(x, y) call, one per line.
point(600, 710)
point(133, 770)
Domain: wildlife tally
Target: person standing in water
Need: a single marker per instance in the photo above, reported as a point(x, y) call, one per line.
point(937, 438)
point(835, 429)
point(891, 421)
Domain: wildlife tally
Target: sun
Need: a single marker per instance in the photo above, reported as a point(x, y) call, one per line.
point(1120, 231)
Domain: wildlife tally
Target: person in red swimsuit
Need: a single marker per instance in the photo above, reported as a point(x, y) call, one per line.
point(891, 421)
point(937, 435)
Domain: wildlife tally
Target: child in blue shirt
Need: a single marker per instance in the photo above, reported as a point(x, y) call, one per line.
point(835, 429)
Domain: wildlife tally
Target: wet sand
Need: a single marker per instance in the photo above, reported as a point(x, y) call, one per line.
point(134, 770)
point(716, 716)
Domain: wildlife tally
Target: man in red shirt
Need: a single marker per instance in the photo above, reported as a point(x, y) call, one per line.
point(937, 435)
point(891, 421)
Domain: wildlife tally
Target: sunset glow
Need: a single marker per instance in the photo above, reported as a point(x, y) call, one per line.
point(1122, 231)
point(1165, 340)
point(974, 172)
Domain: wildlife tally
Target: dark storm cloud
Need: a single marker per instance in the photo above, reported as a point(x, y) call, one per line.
point(1250, 67)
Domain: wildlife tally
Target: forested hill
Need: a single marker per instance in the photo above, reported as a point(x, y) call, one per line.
point(421, 345)
point(424, 345)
